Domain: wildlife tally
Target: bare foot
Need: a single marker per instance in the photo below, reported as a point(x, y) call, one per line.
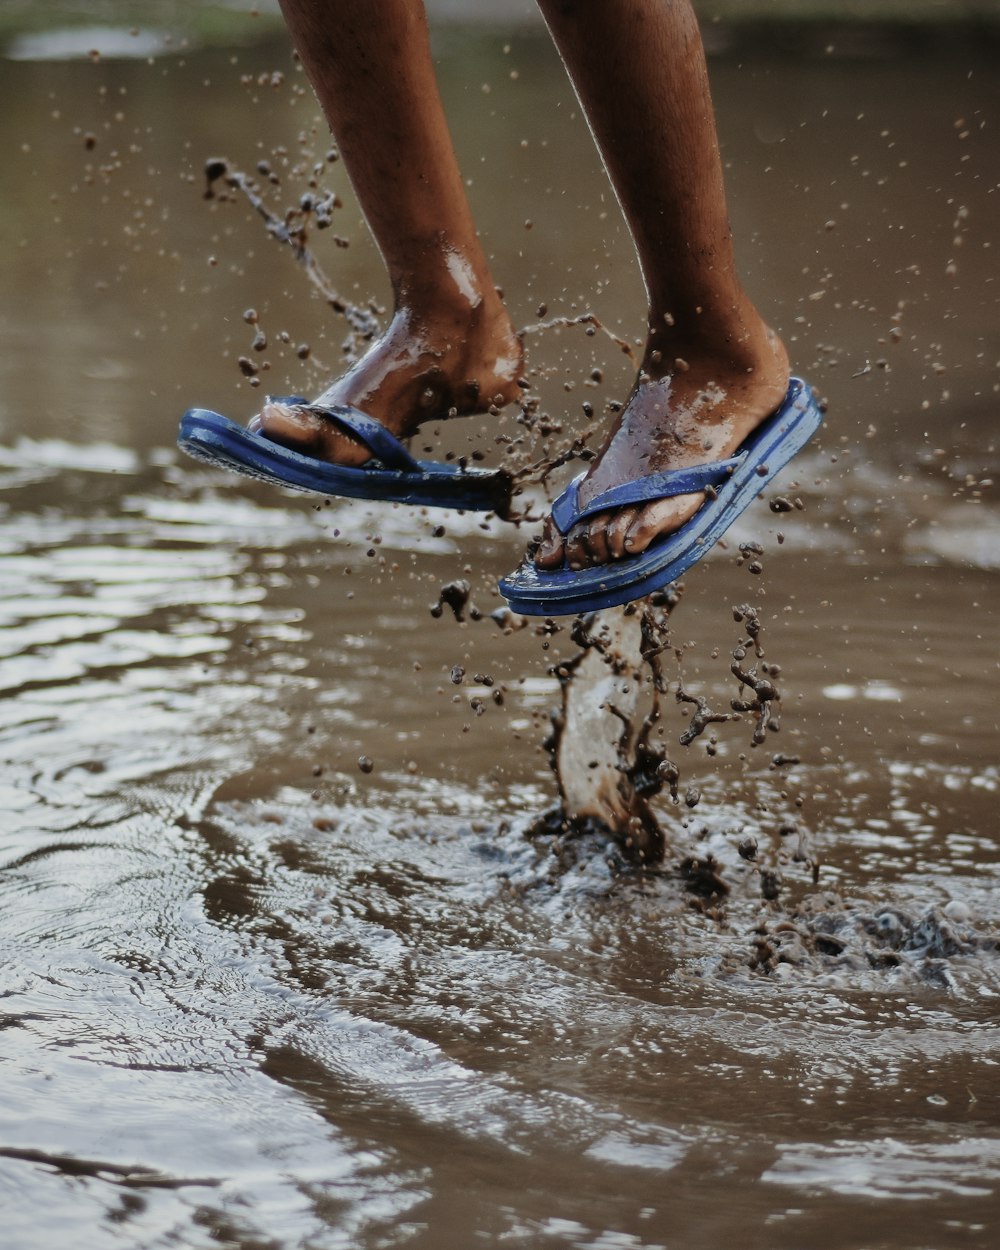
point(682, 411)
point(455, 361)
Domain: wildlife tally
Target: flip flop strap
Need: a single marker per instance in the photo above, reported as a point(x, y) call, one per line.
point(566, 511)
point(385, 447)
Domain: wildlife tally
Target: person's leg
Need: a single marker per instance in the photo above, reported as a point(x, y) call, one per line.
point(450, 344)
point(711, 369)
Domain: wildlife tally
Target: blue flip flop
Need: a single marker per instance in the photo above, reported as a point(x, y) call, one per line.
point(733, 483)
point(391, 474)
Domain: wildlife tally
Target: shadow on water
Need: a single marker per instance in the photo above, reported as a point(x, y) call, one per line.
point(254, 994)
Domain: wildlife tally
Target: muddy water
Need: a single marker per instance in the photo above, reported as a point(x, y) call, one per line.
point(255, 996)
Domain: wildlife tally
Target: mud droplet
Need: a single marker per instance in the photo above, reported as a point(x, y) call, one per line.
point(215, 168)
point(366, 763)
point(455, 595)
point(770, 883)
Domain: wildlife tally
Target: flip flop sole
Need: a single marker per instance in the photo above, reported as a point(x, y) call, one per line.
point(532, 591)
point(214, 439)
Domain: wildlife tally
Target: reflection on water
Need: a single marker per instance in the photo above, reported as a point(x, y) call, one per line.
point(253, 995)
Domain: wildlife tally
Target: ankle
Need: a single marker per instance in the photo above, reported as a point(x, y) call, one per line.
point(466, 335)
point(743, 347)
point(450, 284)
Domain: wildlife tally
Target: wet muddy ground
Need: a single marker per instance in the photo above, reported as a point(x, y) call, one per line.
point(290, 956)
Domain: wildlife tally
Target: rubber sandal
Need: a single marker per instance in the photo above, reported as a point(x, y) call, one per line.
point(735, 483)
point(392, 474)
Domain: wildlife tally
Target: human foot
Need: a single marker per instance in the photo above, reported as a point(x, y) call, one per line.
point(681, 412)
point(426, 366)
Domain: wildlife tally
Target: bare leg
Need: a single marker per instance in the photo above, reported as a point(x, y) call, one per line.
point(450, 344)
point(711, 370)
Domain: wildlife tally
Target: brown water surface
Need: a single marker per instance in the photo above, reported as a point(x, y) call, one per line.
point(254, 996)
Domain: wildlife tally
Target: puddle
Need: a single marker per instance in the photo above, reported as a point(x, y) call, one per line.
point(88, 42)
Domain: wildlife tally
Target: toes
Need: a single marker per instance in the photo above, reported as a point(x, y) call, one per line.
point(577, 550)
point(291, 427)
point(596, 539)
point(613, 536)
point(661, 517)
point(583, 545)
point(618, 528)
point(550, 552)
point(587, 543)
point(308, 432)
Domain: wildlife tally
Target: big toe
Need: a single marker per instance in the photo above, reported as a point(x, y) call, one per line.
point(551, 549)
point(292, 427)
point(308, 432)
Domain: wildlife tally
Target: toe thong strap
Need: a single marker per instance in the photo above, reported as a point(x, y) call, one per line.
point(566, 511)
point(385, 447)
